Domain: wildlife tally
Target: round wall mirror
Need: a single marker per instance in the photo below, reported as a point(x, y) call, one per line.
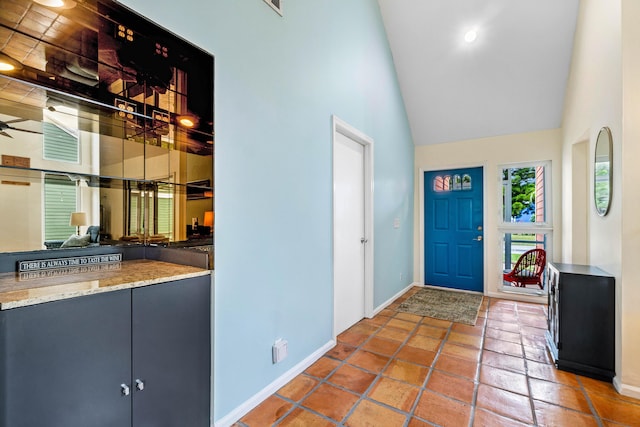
point(602, 171)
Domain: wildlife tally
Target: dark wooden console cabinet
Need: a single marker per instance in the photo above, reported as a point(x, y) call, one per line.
point(581, 333)
point(135, 357)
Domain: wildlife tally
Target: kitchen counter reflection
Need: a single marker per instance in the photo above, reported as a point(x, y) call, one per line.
point(29, 288)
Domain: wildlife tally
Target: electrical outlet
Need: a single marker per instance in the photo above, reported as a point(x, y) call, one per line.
point(279, 350)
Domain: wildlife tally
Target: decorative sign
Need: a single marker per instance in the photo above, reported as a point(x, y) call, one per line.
point(16, 183)
point(22, 162)
point(47, 264)
point(55, 272)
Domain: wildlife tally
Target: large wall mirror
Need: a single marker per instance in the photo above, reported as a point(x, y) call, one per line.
point(106, 114)
point(602, 169)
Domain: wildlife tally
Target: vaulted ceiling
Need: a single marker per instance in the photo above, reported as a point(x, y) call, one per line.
point(511, 79)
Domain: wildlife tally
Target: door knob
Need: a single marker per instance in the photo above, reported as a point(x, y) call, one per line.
point(478, 239)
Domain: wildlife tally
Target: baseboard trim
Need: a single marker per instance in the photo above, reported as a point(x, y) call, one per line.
point(393, 298)
point(626, 390)
point(514, 296)
point(239, 412)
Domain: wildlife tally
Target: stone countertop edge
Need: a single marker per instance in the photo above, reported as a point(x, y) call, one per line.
point(83, 284)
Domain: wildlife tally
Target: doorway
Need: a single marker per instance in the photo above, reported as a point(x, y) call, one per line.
point(454, 229)
point(352, 225)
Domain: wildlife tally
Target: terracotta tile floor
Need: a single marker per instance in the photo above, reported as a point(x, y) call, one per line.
point(400, 369)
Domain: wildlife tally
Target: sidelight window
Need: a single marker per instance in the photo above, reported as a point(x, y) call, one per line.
point(526, 215)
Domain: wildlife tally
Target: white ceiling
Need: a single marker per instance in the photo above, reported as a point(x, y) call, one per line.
point(512, 79)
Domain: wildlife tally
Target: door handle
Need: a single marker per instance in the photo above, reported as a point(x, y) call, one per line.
point(139, 385)
point(124, 389)
point(363, 240)
point(478, 239)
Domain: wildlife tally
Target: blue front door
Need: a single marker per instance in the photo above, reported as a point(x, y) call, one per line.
point(453, 228)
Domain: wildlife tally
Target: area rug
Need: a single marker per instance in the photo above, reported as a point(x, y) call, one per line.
point(460, 307)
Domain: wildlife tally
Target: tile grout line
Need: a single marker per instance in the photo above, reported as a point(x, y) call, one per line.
point(379, 375)
point(591, 406)
point(476, 380)
point(423, 388)
point(526, 370)
point(342, 362)
point(413, 332)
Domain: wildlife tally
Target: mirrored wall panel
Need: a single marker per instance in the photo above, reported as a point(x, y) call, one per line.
point(106, 129)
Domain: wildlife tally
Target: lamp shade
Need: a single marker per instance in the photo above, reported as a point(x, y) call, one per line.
point(78, 218)
point(208, 219)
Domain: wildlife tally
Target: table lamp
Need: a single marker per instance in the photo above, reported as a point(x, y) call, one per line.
point(78, 219)
point(208, 219)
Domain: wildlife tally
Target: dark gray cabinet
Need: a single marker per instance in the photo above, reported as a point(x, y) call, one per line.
point(581, 320)
point(62, 363)
point(137, 357)
point(171, 354)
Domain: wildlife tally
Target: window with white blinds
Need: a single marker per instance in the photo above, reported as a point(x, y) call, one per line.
point(59, 201)
point(135, 213)
point(165, 210)
point(59, 144)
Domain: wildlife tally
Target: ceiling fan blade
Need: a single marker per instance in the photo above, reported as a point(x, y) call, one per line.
point(24, 130)
point(3, 133)
point(15, 121)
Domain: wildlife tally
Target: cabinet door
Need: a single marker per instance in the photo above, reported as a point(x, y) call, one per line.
point(553, 298)
point(63, 363)
point(171, 353)
point(588, 323)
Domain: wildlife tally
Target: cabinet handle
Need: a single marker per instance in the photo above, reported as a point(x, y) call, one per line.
point(125, 389)
point(140, 385)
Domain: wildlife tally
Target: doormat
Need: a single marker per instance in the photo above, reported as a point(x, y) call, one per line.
point(460, 307)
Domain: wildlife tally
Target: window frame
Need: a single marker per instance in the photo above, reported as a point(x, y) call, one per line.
point(545, 227)
point(547, 224)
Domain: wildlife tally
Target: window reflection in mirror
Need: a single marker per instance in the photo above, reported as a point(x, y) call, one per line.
point(602, 172)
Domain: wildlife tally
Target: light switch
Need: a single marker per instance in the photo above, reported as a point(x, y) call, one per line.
point(396, 223)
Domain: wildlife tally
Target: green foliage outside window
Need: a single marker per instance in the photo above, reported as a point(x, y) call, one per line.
point(523, 191)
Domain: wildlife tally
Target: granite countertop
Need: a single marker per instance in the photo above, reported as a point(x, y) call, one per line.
point(29, 288)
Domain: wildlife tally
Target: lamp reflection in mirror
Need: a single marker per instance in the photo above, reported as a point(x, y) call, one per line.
point(77, 220)
point(208, 219)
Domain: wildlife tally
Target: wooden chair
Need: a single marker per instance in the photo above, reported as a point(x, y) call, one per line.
point(528, 270)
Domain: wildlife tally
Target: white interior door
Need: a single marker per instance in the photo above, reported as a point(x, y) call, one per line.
point(349, 232)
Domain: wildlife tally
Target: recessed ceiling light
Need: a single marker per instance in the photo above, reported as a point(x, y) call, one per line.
point(4, 66)
point(50, 3)
point(470, 36)
point(63, 4)
point(7, 63)
point(187, 120)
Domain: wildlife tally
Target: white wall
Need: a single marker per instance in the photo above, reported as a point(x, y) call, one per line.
point(604, 90)
point(492, 153)
point(278, 81)
point(594, 100)
point(630, 234)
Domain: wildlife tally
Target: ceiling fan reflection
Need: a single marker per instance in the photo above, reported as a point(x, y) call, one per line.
point(4, 126)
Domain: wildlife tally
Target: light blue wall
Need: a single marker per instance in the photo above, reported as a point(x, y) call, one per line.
point(278, 81)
